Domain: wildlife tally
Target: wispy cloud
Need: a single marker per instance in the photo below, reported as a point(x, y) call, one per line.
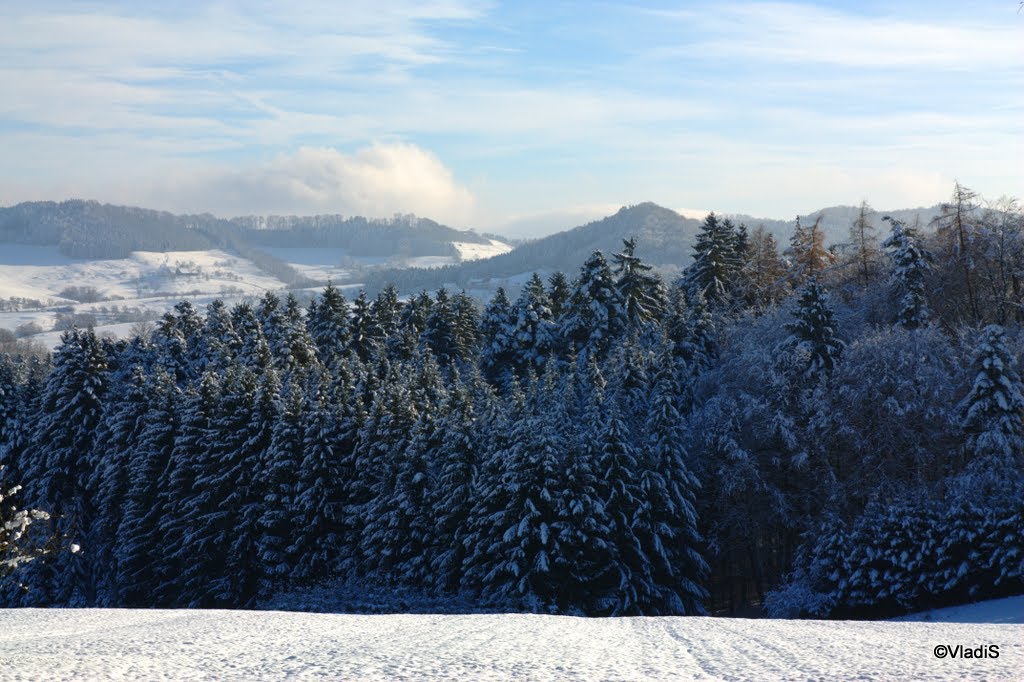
point(806, 34)
point(503, 114)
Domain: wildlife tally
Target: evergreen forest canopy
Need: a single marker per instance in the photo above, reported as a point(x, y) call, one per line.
point(819, 432)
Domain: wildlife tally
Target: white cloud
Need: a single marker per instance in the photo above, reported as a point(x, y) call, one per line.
point(376, 181)
point(806, 34)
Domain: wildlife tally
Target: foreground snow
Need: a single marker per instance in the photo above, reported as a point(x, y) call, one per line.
point(126, 644)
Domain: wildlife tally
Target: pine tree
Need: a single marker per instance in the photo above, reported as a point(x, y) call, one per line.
point(218, 343)
point(387, 310)
point(401, 528)
point(383, 439)
point(467, 329)
point(813, 334)
point(254, 351)
point(910, 267)
point(583, 528)
point(271, 316)
point(245, 501)
point(690, 329)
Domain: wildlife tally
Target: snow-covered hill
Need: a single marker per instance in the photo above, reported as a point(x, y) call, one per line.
point(148, 283)
point(247, 645)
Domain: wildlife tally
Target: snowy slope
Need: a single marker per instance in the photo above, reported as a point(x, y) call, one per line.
point(1008, 610)
point(245, 645)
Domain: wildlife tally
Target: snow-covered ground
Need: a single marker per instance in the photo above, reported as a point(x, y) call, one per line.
point(151, 283)
point(1008, 610)
point(471, 251)
point(247, 645)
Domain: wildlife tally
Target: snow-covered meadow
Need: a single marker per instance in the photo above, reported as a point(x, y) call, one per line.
point(151, 283)
point(248, 645)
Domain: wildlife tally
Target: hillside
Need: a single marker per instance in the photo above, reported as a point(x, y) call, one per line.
point(663, 238)
point(88, 229)
point(247, 645)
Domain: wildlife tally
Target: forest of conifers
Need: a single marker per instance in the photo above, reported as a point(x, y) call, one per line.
point(814, 431)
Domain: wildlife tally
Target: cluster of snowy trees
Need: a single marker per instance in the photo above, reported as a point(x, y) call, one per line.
point(607, 444)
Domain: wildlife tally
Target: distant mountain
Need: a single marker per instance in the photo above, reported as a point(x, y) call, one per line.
point(406, 235)
point(90, 230)
point(663, 238)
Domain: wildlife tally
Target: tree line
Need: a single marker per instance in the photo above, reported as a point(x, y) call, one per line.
point(604, 445)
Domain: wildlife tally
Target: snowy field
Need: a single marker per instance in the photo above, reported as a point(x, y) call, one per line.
point(38, 644)
point(152, 282)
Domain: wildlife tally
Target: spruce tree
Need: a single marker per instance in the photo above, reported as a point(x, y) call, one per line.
point(278, 475)
point(991, 415)
point(534, 330)
point(668, 519)
point(116, 443)
point(715, 262)
point(910, 267)
point(559, 291)
point(319, 491)
point(187, 498)
point(595, 316)
point(644, 297)
point(60, 471)
point(139, 546)
point(328, 324)
point(813, 335)
point(497, 340)
point(457, 463)
point(630, 582)
point(522, 538)
point(364, 326)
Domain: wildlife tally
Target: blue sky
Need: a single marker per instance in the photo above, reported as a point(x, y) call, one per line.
point(520, 117)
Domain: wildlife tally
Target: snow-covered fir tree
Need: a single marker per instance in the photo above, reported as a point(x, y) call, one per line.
point(992, 417)
point(814, 336)
point(594, 316)
point(139, 540)
point(644, 296)
point(910, 268)
point(715, 262)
